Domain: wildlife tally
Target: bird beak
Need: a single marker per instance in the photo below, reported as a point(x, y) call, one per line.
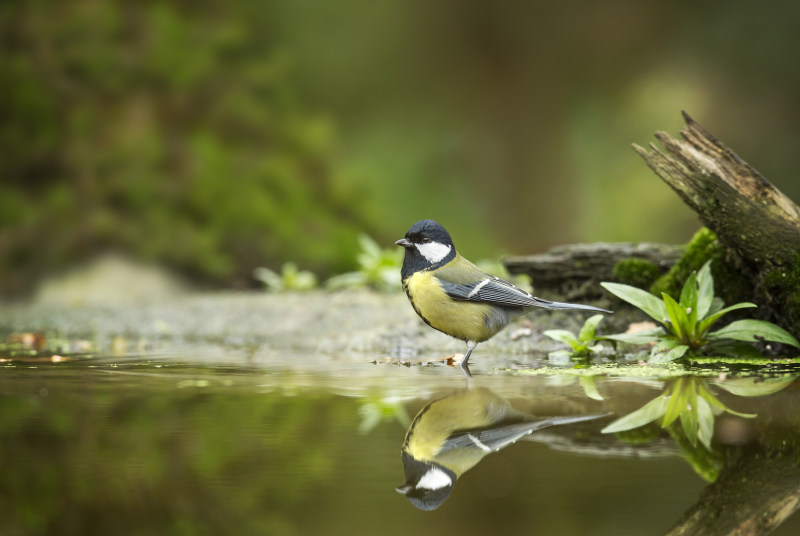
point(404, 242)
point(404, 489)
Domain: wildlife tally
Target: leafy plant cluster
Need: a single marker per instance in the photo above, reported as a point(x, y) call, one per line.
point(685, 323)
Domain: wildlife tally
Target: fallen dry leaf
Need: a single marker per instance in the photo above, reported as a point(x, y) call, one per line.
point(636, 327)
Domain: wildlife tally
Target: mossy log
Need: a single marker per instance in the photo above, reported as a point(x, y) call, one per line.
point(574, 272)
point(754, 494)
point(748, 214)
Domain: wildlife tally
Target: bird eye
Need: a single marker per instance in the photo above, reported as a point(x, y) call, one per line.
point(425, 240)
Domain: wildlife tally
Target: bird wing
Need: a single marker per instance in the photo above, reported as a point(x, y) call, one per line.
point(489, 440)
point(466, 282)
point(494, 439)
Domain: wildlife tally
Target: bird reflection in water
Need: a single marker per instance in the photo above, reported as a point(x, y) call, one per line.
point(449, 436)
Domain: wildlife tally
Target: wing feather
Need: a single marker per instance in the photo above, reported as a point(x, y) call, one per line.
point(462, 280)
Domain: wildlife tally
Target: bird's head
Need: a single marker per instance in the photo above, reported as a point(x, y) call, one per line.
point(427, 245)
point(428, 484)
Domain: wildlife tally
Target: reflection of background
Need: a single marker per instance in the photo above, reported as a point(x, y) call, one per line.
point(217, 137)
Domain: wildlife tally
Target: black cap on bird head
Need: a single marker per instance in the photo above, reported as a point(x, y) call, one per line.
point(428, 485)
point(428, 245)
point(431, 230)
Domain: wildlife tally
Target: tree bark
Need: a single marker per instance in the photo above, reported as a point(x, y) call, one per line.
point(748, 214)
point(756, 226)
point(753, 495)
point(574, 272)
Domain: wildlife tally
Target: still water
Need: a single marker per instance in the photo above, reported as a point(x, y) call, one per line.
point(178, 444)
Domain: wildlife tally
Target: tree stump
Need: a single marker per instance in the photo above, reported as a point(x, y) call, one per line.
point(757, 225)
point(748, 214)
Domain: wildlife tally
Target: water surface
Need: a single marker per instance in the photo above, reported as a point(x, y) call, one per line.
point(184, 443)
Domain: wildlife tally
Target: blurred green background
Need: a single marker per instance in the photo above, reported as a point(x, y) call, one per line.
point(216, 137)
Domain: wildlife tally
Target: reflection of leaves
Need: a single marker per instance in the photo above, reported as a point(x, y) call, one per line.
point(755, 386)
point(648, 413)
point(376, 411)
point(687, 399)
point(589, 387)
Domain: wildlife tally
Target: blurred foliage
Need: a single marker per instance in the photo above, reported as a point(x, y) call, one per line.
point(290, 278)
point(104, 465)
point(168, 130)
point(378, 268)
point(217, 138)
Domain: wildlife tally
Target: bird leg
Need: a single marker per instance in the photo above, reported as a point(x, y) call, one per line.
point(470, 347)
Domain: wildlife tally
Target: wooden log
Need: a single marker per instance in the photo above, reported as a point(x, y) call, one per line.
point(753, 495)
point(574, 272)
point(756, 224)
point(749, 215)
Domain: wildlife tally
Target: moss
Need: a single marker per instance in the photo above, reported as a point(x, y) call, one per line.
point(782, 284)
point(729, 283)
point(637, 272)
point(641, 435)
point(701, 247)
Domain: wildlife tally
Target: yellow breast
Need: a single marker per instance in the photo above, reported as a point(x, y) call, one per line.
point(460, 319)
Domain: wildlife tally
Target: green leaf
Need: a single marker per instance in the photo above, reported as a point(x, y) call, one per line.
point(589, 387)
point(651, 305)
point(564, 336)
point(679, 322)
point(688, 297)
point(706, 323)
point(640, 337)
point(751, 330)
point(716, 305)
point(689, 416)
point(270, 278)
point(368, 245)
point(666, 357)
point(678, 401)
point(705, 290)
point(648, 413)
point(587, 331)
point(755, 386)
point(596, 348)
point(705, 423)
point(713, 402)
point(688, 302)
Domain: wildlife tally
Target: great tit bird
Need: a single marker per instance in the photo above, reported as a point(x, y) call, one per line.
point(451, 435)
point(454, 296)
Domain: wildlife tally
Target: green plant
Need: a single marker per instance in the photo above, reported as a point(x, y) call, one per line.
point(378, 268)
point(582, 344)
point(290, 278)
point(687, 399)
point(685, 323)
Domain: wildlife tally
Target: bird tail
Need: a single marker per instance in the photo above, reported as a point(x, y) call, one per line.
point(547, 304)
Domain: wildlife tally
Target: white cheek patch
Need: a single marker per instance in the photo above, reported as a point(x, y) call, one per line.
point(434, 479)
point(433, 251)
